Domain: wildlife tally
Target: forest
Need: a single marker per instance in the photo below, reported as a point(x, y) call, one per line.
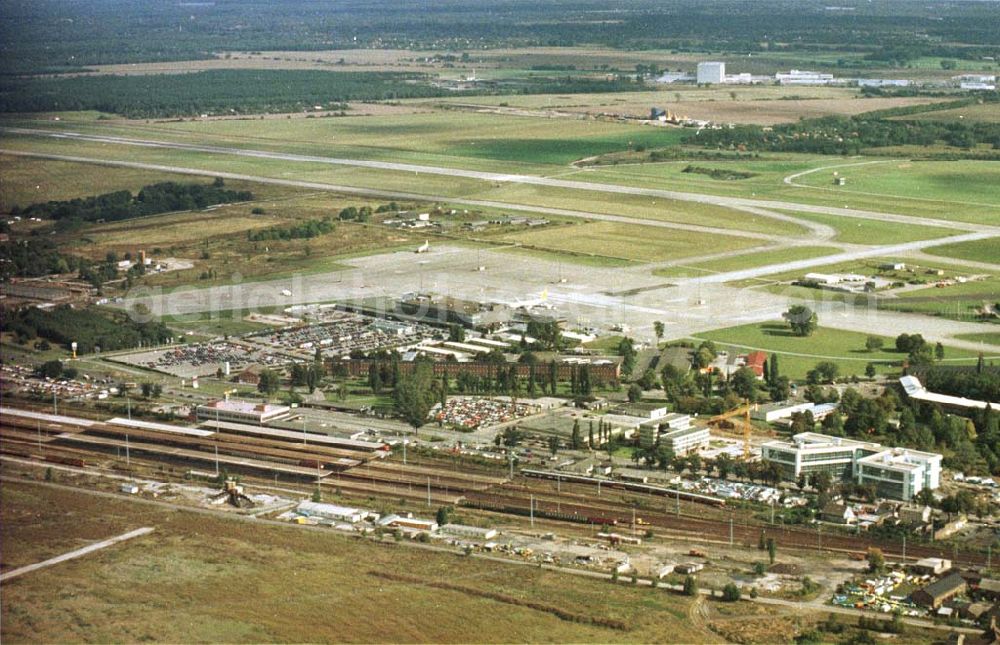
point(153, 199)
point(88, 328)
point(249, 91)
point(47, 35)
point(230, 91)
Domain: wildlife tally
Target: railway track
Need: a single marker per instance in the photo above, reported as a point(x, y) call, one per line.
point(743, 533)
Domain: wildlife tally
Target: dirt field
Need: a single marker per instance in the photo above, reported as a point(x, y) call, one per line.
point(202, 578)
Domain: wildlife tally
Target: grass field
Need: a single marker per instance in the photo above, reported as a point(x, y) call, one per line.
point(986, 112)
point(506, 143)
point(977, 251)
point(26, 181)
point(630, 242)
point(200, 578)
point(852, 230)
point(800, 354)
point(967, 191)
point(989, 337)
point(758, 258)
point(961, 301)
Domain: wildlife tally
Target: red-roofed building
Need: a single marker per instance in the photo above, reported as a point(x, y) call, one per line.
point(755, 361)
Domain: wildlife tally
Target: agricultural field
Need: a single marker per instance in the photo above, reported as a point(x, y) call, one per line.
point(198, 567)
point(800, 354)
point(629, 242)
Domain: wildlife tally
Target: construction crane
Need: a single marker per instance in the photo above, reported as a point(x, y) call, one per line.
point(742, 411)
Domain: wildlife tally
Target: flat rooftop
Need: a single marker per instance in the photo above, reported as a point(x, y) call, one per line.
point(246, 407)
point(159, 427)
point(916, 390)
point(292, 435)
point(900, 459)
point(51, 418)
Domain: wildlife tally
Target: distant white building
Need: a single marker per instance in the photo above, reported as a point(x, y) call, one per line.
point(803, 77)
point(711, 72)
point(740, 79)
point(884, 82)
point(974, 78)
point(971, 85)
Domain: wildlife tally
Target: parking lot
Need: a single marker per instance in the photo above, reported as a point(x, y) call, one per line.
point(203, 359)
point(339, 333)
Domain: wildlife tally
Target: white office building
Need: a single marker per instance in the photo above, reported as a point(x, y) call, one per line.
point(711, 72)
point(686, 440)
point(897, 473)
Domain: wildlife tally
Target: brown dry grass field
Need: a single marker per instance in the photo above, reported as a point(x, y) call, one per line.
point(204, 578)
point(752, 105)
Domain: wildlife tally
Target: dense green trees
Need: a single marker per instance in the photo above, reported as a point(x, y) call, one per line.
point(850, 135)
point(60, 36)
point(269, 383)
point(413, 395)
point(801, 319)
point(35, 257)
point(152, 199)
point(298, 231)
point(88, 328)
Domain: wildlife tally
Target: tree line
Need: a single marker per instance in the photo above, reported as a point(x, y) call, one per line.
point(153, 199)
point(836, 135)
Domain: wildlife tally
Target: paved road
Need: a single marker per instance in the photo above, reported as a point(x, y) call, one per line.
point(103, 544)
point(730, 202)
